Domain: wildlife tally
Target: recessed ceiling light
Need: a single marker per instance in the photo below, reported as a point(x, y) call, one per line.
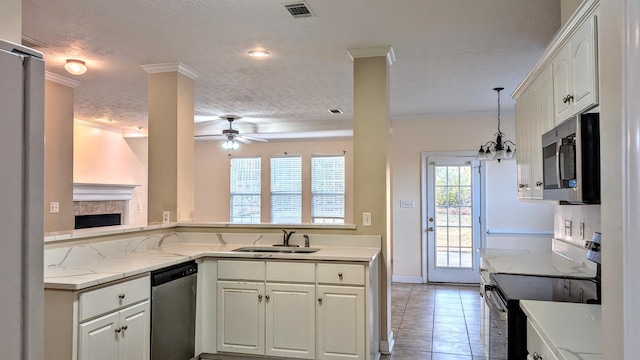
point(75, 67)
point(257, 53)
point(335, 111)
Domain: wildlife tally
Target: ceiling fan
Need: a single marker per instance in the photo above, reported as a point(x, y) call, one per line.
point(230, 135)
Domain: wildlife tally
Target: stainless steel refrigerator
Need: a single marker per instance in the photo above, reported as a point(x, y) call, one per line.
point(21, 202)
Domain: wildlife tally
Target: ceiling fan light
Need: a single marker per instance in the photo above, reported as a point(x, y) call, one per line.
point(75, 67)
point(230, 145)
point(258, 53)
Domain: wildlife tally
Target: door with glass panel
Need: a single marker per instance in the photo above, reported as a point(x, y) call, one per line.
point(453, 219)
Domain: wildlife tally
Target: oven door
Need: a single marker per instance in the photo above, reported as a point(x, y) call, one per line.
point(494, 327)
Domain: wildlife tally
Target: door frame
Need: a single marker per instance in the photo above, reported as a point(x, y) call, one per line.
point(423, 199)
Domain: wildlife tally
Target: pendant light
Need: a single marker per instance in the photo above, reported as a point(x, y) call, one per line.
point(498, 149)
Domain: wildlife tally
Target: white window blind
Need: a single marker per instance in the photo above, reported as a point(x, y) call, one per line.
point(286, 190)
point(245, 190)
point(327, 189)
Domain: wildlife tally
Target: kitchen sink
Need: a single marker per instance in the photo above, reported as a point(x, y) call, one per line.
point(276, 249)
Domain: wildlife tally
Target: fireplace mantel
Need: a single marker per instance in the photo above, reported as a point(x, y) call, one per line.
point(102, 192)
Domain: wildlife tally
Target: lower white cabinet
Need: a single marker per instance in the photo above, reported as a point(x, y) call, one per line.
point(304, 310)
point(122, 335)
point(341, 320)
point(110, 322)
point(537, 348)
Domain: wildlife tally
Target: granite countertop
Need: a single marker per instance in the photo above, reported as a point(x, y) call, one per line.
point(529, 262)
point(80, 267)
point(572, 331)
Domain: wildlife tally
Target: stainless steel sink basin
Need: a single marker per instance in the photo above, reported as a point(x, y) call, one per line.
point(276, 249)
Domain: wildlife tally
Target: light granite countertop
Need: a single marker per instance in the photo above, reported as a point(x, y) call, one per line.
point(83, 266)
point(572, 331)
point(528, 262)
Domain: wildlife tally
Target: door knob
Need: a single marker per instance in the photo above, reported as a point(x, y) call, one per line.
point(259, 297)
point(320, 300)
point(430, 219)
point(118, 330)
point(266, 297)
point(430, 228)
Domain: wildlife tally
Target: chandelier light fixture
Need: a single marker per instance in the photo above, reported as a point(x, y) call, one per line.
point(498, 149)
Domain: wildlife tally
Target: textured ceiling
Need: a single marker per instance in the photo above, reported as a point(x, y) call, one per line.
point(450, 54)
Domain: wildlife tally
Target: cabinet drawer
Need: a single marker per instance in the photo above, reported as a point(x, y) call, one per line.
point(291, 271)
point(109, 298)
point(535, 344)
point(241, 270)
point(347, 274)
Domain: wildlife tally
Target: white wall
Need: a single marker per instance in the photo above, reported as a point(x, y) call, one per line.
point(101, 155)
point(462, 133)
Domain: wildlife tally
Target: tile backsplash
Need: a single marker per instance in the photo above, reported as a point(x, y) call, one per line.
point(569, 219)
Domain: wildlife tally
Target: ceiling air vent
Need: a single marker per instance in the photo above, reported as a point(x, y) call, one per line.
point(298, 10)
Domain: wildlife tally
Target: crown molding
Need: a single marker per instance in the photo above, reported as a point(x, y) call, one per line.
point(375, 51)
point(61, 80)
point(170, 67)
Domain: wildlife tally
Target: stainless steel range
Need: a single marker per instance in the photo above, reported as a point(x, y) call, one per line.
point(507, 338)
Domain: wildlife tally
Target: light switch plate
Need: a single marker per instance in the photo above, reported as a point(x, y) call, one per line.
point(567, 227)
point(366, 219)
point(406, 203)
point(54, 207)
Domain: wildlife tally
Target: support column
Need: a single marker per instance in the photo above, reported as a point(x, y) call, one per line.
point(171, 147)
point(371, 168)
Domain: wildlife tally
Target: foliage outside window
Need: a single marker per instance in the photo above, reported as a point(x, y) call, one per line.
point(327, 189)
point(245, 190)
point(286, 190)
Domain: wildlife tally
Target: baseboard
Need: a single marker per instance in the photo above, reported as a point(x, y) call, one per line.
point(386, 346)
point(406, 279)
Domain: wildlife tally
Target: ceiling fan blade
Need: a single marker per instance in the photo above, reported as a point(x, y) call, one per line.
point(210, 137)
point(243, 139)
point(253, 138)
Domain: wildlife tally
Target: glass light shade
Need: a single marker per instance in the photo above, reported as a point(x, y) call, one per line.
point(230, 145)
point(489, 155)
point(501, 154)
point(257, 53)
point(509, 153)
point(75, 67)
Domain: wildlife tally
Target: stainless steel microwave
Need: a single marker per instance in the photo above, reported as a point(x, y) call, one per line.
point(571, 161)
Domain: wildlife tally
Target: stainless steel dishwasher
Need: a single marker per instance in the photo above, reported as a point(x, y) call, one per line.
point(173, 312)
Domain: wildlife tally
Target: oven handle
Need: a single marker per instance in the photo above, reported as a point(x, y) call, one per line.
point(494, 302)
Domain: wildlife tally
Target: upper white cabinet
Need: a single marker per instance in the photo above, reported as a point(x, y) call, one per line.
point(562, 84)
point(575, 72)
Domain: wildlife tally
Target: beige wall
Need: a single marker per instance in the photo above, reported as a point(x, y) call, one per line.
point(465, 133)
point(212, 174)
point(11, 20)
point(567, 8)
point(58, 156)
point(102, 156)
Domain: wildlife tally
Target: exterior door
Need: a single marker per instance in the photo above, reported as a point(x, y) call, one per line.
point(452, 224)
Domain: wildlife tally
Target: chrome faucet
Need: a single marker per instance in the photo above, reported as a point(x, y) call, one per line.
point(306, 240)
point(286, 237)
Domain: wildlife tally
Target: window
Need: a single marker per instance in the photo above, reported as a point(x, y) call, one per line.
point(286, 190)
point(327, 189)
point(245, 190)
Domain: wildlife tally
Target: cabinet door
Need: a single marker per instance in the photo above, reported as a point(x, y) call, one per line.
point(135, 335)
point(98, 339)
point(562, 84)
point(341, 322)
point(521, 139)
point(290, 321)
point(241, 317)
point(583, 56)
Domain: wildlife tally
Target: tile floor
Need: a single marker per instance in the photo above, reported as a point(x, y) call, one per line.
point(435, 322)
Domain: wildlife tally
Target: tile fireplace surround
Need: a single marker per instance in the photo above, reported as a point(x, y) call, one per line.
point(96, 199)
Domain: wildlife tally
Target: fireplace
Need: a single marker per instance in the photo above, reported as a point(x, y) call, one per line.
point(96, 205)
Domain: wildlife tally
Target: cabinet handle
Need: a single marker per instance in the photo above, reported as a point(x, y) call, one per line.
point(121, 296)
point(538, 183)
point(259, 297)
point(125, 327)
point(521, 186)
point(567, 99)
point(340, 275)
point(537, 356)
point(320, 300)
point(266, 297)
point(118, 330)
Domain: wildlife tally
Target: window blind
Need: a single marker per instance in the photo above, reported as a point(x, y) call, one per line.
point(286, 190)
point(327, 189)
point(245, 190)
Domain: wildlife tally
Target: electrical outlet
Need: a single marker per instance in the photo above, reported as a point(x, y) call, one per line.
point(54, 207)
point(166, 216)
point(366, 219)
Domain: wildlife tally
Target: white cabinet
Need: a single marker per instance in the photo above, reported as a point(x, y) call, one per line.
point(536, 346)
point(341, 320)
point(575, 72)
point(105, 322)
point(241, 317)
point(304, 310)
point(122, 335)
